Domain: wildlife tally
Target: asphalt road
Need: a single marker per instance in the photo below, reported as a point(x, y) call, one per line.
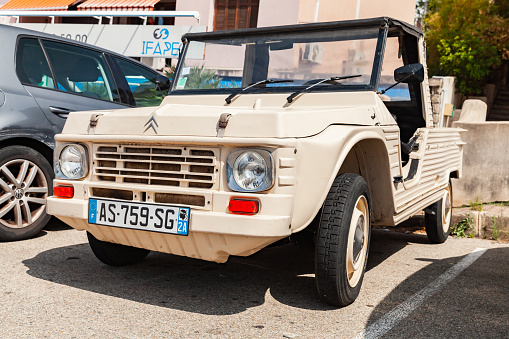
point(52, 286)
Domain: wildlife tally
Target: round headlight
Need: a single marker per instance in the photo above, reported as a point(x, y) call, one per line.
point(72, 162)
point(250, 170)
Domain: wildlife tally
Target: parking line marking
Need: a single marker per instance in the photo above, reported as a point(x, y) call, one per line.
point(389, 320)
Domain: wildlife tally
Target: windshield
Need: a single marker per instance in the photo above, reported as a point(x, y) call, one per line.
point(229, 64)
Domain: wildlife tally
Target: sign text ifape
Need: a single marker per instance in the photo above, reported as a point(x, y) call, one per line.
point(129, 40)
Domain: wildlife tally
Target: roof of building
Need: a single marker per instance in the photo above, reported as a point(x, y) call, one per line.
point(53, 5)
point(138, 5)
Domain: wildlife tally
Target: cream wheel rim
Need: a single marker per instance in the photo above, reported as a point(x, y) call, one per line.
point(357, 241)
point(23, 193)
point(446, 209)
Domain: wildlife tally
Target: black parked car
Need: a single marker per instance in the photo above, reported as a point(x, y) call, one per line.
point(42, 79)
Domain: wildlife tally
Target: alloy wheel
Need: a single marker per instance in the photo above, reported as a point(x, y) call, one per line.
point(24, 190)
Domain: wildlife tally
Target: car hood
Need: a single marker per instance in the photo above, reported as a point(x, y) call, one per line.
point(267, 115)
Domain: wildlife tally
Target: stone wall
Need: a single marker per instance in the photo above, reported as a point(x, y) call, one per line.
point(443, 91)
point(435, 87)
point(485, 163)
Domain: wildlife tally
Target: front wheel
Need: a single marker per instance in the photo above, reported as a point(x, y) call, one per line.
point(342, 240)
point(115, 254)
point(437, 217)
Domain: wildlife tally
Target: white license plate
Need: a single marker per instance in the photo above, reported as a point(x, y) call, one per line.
point(139, 216)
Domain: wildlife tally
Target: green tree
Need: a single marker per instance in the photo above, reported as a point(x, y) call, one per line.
point(460, 57)
point(202, 78)
point(170, 72)
point(466, 39)
point(503, 8)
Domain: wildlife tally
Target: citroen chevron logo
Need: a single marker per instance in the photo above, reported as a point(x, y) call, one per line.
point(151, 123)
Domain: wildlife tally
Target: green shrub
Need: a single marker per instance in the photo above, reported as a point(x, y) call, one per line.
point(469, 59)
point(463, 228)
point(466, 39)
point(476, 205)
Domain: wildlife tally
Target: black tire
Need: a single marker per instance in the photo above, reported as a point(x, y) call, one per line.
point(26, 180)
point(339, 263)
point(116, 254)
point(438, 216)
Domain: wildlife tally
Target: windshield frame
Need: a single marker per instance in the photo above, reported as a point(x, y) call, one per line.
point(381, 23)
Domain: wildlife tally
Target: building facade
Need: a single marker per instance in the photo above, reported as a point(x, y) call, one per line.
point(217, 14)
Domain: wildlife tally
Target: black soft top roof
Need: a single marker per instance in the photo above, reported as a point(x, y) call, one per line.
point(395, 27)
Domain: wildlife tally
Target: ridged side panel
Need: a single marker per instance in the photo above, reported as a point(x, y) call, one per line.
point(442, 155)
point(392, 143)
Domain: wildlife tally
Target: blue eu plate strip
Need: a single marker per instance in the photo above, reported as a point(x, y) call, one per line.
point(92, 211)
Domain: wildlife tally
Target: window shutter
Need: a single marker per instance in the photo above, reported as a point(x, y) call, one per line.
point(235, 14)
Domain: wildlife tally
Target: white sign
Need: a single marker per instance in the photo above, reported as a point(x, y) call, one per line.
point(129, 40)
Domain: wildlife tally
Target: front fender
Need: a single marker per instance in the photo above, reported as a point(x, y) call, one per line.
point(319, 159)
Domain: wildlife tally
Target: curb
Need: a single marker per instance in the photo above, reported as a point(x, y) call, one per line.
point(491, 222)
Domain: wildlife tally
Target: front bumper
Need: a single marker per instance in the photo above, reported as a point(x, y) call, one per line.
point(200, 221)
point(213, 234)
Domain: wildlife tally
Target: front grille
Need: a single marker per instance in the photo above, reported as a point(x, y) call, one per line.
point(163, 198)
point(181, 199)
point(112, 193)
point(193, 167)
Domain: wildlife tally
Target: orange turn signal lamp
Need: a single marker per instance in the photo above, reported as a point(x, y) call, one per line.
point(244, 206)
point(66, 192)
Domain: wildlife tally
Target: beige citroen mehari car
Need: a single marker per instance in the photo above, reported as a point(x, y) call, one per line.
point(314, 132)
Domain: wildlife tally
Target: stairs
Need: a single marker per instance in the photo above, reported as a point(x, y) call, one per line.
point(500, 109)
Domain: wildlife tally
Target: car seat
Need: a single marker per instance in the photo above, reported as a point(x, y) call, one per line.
point(85, 70)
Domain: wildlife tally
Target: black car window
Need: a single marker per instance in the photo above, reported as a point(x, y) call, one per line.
point(31, 64)
point(81, 71)
point(142, 83)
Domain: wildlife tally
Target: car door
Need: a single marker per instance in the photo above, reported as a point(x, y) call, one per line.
point(64, 77)
point(409, 141)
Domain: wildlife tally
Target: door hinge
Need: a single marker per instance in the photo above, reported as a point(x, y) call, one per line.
point(222, 123)
point(398, 179)
point(94, 119)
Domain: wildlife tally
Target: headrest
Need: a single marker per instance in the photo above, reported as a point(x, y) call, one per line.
point(84, 70)
point(34, 64)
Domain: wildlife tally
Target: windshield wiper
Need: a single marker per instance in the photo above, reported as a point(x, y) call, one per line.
point(320, 81)
point(256, 84)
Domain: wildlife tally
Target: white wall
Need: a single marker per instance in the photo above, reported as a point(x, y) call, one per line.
point(280, 12)
point(334, 10)
point(287, 12)
point(205, 7)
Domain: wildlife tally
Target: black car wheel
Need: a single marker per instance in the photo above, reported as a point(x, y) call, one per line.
point(25, 183)
point(115, 254)
point(342, 241)
point(437, 217)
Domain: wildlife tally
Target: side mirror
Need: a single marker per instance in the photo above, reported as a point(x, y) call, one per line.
point(409, 74)
point(162, 82)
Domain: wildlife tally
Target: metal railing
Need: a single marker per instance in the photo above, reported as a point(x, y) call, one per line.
point(100, 14)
